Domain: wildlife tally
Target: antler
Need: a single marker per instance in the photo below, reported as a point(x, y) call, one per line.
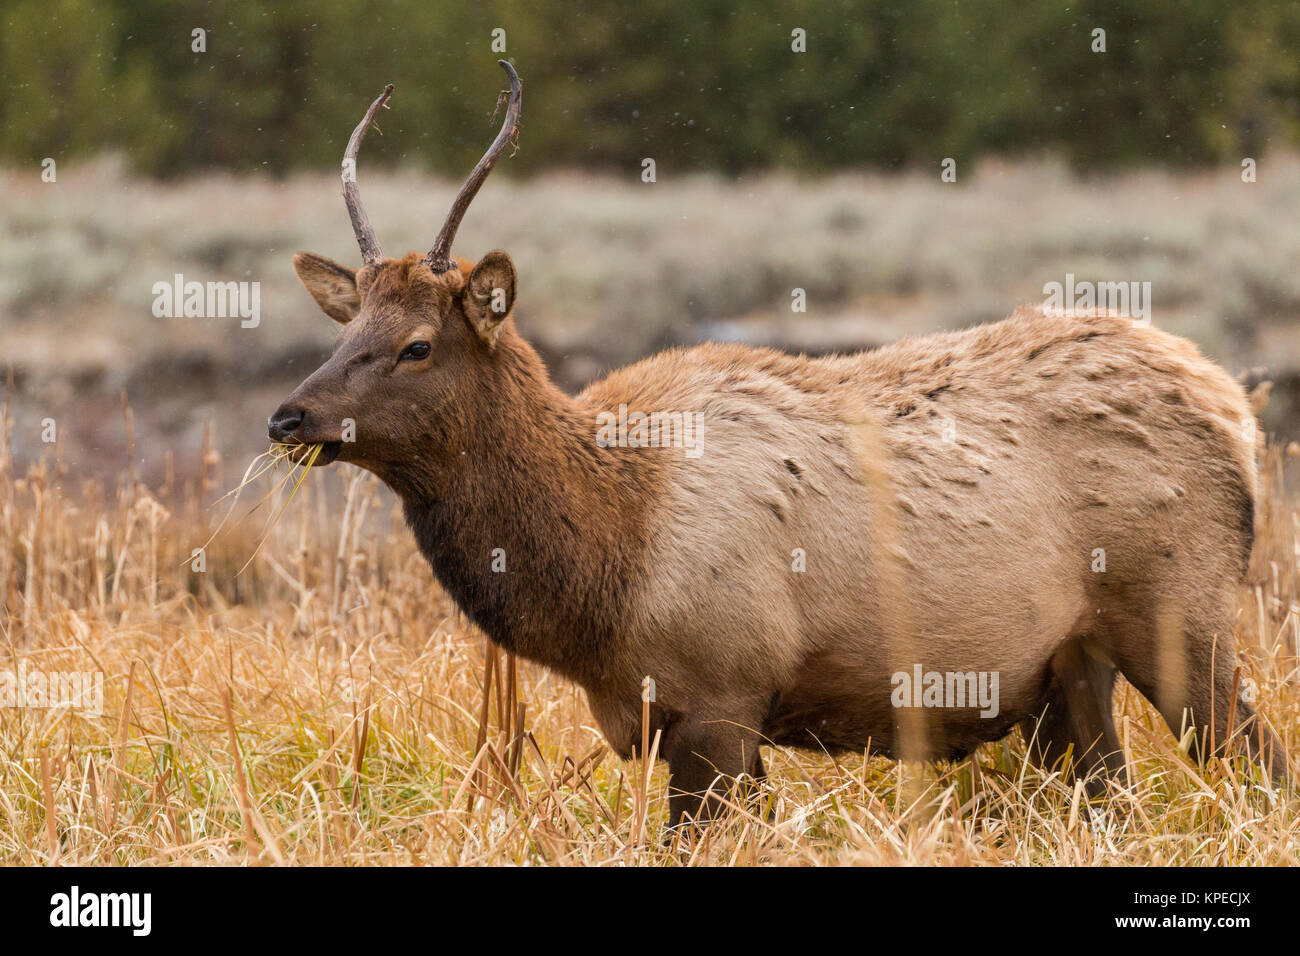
point(439, 257)
point(351, 194)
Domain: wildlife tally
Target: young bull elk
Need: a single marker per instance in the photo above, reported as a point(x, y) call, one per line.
point(1048, 500)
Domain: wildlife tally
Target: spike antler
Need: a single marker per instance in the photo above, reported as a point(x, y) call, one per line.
point(439, 257)
point(351, 194)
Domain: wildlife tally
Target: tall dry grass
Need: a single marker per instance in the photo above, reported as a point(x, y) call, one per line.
point(328, 706)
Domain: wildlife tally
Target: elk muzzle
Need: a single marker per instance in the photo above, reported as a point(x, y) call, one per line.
point(292, 424)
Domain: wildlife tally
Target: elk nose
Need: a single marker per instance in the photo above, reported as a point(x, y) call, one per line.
point(284, 423)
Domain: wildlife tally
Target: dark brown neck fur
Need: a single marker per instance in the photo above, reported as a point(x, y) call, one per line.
point(570, 516)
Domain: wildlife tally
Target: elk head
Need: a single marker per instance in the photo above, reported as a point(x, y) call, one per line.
point(419, 333)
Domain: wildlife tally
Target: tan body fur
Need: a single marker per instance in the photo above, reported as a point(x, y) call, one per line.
point(973, 552)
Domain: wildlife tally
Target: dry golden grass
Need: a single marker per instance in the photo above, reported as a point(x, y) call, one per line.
point(327, 707)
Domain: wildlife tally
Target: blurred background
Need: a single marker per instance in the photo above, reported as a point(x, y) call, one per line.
point(795, 145)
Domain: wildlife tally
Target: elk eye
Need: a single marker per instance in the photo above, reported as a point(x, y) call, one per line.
point(416, 350)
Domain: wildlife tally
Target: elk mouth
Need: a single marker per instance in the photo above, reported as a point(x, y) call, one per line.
point(329, 451)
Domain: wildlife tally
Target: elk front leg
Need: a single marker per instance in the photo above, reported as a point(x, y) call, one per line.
point(705, 759)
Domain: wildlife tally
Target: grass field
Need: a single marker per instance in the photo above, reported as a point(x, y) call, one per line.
point(327, 706)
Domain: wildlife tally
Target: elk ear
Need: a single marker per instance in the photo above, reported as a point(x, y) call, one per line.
point(490, 294)
point(334, 287)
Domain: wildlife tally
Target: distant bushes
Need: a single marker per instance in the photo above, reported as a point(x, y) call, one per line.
point(694, 84)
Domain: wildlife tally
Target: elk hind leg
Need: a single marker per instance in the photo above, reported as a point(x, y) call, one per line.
point(1077, 724)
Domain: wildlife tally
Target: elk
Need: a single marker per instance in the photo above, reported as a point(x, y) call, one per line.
point(938, 503)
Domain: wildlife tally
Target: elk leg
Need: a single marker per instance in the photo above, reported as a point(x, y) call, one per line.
point(1262, 745)
point(1211, 689)
point(1202, 692)
point(1078, 719)
point(705, 759)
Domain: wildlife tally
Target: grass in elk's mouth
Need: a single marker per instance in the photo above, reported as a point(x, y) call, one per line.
point(300, 466)
point(300, 458)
